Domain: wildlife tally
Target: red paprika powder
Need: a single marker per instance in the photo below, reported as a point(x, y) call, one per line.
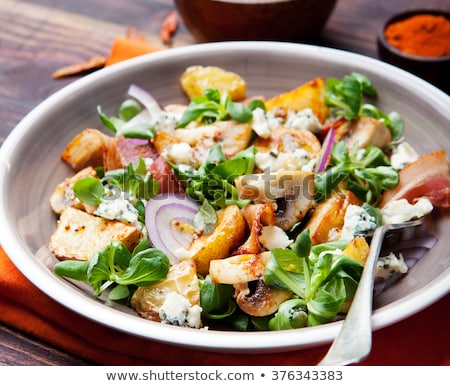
point(422, 35)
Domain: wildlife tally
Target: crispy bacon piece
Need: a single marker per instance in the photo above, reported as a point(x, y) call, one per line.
point(427, 177)
point(168, 181)
point(256, 216)
point(119, 152)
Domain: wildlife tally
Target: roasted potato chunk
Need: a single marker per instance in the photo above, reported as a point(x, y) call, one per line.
point(79, 235)
point(63, 196)
point(85, 149)
point(357, 249)
point(309, 95)
point(366, 131)
point(196, 79)
point(230, 232)
point(327, 219)
point(181, 278)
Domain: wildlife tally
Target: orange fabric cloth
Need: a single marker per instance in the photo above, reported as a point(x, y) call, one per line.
point(128, 47)
point(423, 339)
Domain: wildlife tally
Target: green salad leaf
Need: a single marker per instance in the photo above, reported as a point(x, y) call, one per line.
point(115, 264)
point(367, 173)
point(321, 277)
point(213, 181)
point(214, 106)
point(346, 98)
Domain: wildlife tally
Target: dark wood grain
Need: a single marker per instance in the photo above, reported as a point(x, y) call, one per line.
point(39, 36)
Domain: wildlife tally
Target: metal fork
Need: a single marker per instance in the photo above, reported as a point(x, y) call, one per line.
point(354, 340)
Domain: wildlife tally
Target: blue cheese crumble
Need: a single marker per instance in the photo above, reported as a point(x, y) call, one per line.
point(179, 153)
point(178, 311)
point(118, 208)
point(272, 237)
point(263, 123)
point(303, 120)
point(390, 267)
point(357, 222)
point(402, 155)
point(399, 211)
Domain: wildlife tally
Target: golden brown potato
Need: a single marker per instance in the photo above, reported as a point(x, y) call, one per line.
point(327, 219)
point(230, 232)
point(63, 196)
point(79, 235)
point(310, 94)
point(181, 278)
point(196, 79)
point(366, 132)
point(357, 249)
point(85, 149)
point(162, 140)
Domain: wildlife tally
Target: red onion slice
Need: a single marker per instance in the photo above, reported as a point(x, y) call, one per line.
point(146, 99)
point(160, 214)
point(327, 145)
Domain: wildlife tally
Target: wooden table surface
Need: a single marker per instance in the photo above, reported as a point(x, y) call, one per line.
point(39, 36)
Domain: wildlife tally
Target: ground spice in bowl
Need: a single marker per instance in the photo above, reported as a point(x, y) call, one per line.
point(422, 35)
point(419, 42)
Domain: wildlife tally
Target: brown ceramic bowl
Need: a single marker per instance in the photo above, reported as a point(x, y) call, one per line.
point(436, 70)
point(284, 20)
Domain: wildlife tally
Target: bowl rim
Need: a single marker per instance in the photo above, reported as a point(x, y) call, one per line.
point(230, 341)
point(402, 16)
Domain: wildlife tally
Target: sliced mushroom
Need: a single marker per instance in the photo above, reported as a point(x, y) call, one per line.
point(291, 193)
point(263, 301)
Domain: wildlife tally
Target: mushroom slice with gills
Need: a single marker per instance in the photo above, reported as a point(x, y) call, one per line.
point(264, 300)
point(291, 193)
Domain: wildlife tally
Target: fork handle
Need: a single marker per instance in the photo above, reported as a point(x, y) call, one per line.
point(354, 341)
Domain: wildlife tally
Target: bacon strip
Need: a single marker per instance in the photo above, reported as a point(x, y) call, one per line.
point(427, 177)
point(121, 151)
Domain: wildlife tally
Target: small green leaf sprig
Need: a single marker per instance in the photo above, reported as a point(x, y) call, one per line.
point(214, 106)
point(366, 173)
point(115, 266)
point(321, 277)
point(346, 98)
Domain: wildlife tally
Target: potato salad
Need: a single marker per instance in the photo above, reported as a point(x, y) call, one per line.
point(235, 211)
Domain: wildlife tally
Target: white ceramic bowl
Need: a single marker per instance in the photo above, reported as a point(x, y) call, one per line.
point(30, 168)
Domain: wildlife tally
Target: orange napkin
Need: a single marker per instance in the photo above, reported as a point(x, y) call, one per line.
point(126, 47)
point(422, 339)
